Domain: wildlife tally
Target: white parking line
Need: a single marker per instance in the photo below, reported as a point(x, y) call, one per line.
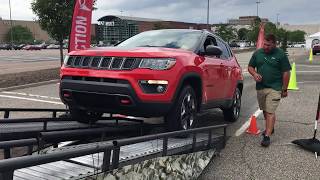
point(246, 72)
point(31, 95)
point(245, 126)
point(307, 71)
point(305, 65)
point(31, 99)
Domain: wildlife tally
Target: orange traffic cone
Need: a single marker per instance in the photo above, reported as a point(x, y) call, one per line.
point(253, 129)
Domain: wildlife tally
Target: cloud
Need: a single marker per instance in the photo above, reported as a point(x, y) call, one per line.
point(20, 10)
point(290, 11)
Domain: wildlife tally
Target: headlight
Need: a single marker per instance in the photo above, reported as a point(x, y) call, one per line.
point(65, 59)
point(157, 63)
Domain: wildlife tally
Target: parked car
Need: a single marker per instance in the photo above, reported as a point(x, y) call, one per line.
point(301, 45)
point(234, 44)
point(32, 47)
point(18, 47)
point(316, 49)
point(162, 73)
point(5, 46)
point(53, 46)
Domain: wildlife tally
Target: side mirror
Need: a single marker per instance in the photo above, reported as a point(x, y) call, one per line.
point(213, 50)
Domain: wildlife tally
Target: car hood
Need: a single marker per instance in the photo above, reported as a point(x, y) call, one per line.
point(132, 52)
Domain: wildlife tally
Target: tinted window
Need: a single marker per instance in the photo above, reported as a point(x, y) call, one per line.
point(179, 39)
point(229, 51)
point(225, 53)
point(209, 41)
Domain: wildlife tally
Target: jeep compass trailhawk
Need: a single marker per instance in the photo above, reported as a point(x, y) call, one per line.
point(173, 73)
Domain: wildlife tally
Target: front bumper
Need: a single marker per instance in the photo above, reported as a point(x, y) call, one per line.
point(117, 96)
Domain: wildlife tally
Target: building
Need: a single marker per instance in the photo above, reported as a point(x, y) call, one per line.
point(33, 26)
point(38, 33)
point(112, 29)
point(245, 20)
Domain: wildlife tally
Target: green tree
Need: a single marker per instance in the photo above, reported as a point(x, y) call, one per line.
point(243, 34)
point(226, 32)
point(281, 34)
point(270, 28)
point(20, 34)
point(296, 36)
point(284, 41)
point(254, 30)
point(55, 16)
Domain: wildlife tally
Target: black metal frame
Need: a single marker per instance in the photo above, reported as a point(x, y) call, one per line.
point(44, 136)
point(8, 110)
point(165, 137)
point(8, 166)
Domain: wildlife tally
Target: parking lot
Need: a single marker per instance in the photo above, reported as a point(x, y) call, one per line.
point(243, 157)
point(14, 61)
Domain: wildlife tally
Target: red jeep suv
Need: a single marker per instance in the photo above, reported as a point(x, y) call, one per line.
point(171, 73)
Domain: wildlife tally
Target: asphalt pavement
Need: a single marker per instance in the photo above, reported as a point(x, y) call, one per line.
point(16, 61)
point(243, 157)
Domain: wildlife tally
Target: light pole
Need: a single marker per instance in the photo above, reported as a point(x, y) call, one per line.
point(278, 19)
point(208, 9)
point(11, 35)
point(258, 2)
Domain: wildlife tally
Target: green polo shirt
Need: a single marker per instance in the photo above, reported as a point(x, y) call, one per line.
point(271, 67)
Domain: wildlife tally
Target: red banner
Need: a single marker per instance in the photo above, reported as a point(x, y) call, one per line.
point(260, 40)
point(80, 35)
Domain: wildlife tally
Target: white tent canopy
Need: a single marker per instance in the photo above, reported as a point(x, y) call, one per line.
point(317, 35)
point(312, 39)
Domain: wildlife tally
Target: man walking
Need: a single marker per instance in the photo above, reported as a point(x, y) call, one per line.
point(270, 68)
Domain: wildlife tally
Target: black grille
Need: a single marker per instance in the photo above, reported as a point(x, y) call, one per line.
point(77, 61)
point(86, 61)
point(129, 63)
point(105, 62)
point(97, 62)
point(96, 79)
point(70, 61)
point(116, 63)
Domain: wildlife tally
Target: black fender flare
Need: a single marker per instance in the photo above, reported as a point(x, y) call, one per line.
point(182, 82)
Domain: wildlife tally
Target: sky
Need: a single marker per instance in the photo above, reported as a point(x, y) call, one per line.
point(288, 11)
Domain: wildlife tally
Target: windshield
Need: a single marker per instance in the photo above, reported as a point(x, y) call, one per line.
point(164, 38)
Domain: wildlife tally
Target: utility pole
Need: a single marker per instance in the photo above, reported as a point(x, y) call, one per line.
point(258, 2)
point(208, 27)
point(11, 35)
point(278, 19)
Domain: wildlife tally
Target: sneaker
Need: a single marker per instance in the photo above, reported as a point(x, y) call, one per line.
point(264, 132)
point(265, 141)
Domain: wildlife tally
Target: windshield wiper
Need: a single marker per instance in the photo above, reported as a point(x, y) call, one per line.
point(149, 46)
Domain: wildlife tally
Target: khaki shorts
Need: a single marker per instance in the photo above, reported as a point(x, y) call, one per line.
point(268, 99)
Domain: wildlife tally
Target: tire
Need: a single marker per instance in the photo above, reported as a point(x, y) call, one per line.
point(183, 111)
point(232, 114)
point(86, 117)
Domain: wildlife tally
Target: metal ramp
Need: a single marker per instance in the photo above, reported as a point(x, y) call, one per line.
point(79, 166)
point(84, 160)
